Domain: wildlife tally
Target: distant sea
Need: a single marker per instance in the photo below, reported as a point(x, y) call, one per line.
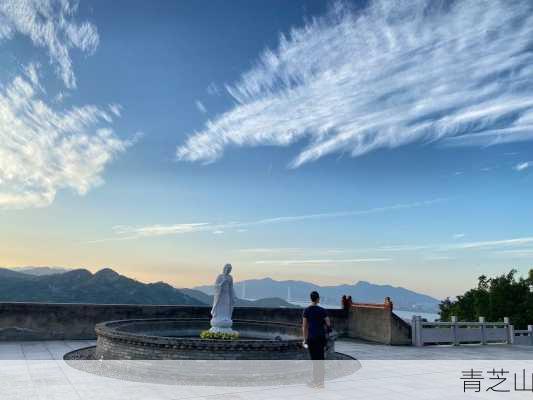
point(407, 315)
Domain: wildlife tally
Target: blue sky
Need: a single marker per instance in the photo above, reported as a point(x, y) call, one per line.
point(330, 142)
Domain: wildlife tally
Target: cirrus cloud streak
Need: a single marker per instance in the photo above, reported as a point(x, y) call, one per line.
point(49, 24)
point(397, 72)
point(126, 232)
point(323, 261)
point(43, 150)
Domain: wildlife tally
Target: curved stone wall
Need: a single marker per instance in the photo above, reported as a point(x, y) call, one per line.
point(49, 321)
point(178, 339)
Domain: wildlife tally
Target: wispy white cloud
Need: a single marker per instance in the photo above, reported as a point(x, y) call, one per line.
point(430, 252)
point(296, 250)
point(323, 261)
point(523, 166)
point(200, 106)
point(353, 213)
point(116, 109)
point(213, 89)
point(490, 244)
point(218, 232)
point(131, 232)
point(458, 235)
point(438, 258)
point(513, 247)
point(162, 230)
point(59, 97)
point(50, 24)
point(43, 150)
point(399, 248)
point(268, 250)
point(515, 253)
point(395, 73)
point(446, 247)
point(31, 71)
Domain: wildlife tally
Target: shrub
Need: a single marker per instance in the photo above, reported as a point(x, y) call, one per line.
point(219, 335)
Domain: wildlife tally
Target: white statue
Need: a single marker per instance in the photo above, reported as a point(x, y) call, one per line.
point(223, 302)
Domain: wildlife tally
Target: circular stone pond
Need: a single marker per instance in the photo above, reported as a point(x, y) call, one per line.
point(179, 339)
point(170, 351)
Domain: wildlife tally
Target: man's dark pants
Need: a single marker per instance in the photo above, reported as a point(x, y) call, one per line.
point(316, 352)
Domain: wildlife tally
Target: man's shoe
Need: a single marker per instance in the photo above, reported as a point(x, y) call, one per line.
point(314, 385)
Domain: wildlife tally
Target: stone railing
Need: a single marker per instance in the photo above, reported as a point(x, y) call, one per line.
point(523, 337)
point(456, 332)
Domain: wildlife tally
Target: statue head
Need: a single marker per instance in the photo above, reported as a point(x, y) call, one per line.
point(227, 269)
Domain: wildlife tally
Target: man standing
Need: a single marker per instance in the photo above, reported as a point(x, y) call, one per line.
point(316, 325)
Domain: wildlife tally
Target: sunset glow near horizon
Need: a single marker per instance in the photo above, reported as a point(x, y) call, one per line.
point(390, 141)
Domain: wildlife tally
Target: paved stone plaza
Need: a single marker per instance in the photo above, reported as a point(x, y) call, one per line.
point(36, 370)
point(369, 351)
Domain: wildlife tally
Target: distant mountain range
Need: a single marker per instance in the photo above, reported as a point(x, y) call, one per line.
point(81, 286)
point(363, 292)
point(61, 285)
point(269, 302)
point(41, 270)
point(57, 284)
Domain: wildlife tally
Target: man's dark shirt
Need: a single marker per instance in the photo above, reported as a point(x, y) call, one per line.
point(316, 317)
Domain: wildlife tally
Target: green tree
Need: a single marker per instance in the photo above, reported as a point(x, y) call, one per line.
point(494, 298)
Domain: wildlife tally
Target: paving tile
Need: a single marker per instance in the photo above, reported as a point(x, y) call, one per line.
point(35, 370)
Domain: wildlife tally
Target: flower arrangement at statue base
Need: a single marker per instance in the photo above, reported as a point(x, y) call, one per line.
point(219, 335)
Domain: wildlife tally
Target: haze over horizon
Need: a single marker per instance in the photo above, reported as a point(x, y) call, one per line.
point(329, 142)
point(179, 283)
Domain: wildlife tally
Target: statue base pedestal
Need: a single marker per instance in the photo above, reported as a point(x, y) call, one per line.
point(216, 329)
point(221, 326)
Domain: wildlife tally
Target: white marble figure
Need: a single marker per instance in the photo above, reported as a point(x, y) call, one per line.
point(223, 302)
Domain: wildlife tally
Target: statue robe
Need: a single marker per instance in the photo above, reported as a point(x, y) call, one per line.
point(223, 302)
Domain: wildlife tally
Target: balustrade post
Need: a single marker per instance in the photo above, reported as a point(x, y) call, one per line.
point(483, 330)
point(509, 330)
point(455, 330)
point(413, 330)
point(416, 333)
